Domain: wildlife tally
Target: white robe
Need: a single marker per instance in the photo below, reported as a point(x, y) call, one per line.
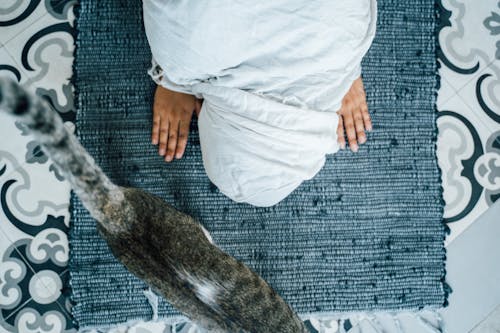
point(272, 75)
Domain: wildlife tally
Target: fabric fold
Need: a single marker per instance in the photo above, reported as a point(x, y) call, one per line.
point(272, 77)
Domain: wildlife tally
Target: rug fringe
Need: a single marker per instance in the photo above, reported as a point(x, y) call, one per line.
point(153, 301)
point(421, 321)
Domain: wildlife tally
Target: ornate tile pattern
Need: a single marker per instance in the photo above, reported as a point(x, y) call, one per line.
point(36, 48)
point(469, 109)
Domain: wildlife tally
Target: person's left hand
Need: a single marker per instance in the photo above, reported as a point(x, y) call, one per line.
point(354, 117)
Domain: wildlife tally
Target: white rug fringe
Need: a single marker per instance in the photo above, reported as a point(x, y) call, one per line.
point(422, 321)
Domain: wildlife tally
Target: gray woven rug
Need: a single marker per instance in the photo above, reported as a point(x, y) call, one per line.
point(366, 233)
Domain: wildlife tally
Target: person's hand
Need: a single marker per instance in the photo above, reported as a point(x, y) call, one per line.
point(172, 112)
point(354, 118)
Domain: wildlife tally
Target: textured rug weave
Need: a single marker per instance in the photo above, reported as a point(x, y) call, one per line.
point(366, 233)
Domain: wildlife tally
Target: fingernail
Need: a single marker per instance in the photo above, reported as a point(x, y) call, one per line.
point(168, 158)
point(369, 128)
point(362, 139)
point(354, 148)
point(342, 145)
point(178, 156)
point(155, 142)
point(162, 152)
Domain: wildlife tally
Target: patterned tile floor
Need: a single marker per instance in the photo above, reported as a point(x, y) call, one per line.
point(36, 48)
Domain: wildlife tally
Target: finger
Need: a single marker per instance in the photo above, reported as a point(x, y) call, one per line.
point(350, 131)
point(172, 140)
point(182, 138)
point(156, 128)
point(340, 133)
point(163, 136)
point(366, 117)
point(362, 95)
point(359, 126)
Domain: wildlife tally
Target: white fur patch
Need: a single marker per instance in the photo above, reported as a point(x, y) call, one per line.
point(205, 290)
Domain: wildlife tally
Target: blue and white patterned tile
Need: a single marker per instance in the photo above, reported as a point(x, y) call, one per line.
point(12, 270)
point(34, 217)
point(12, 140)
point(462, 50)
point(44, 54)
point(34, 253)
point(446, 90)
point(18, 15)
point(26, 201)
point(468, 120)
point(31, 296)
point(468, 155)
point(32, 291)
point(8, 66)
point(37, 318)
point(44, 64)
point(482, 96)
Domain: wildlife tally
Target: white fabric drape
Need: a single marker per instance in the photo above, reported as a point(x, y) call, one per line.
point(272, 75)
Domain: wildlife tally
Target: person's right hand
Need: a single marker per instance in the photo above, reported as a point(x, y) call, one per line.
point(172, 112)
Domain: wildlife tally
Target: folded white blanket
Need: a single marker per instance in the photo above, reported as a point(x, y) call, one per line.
point(272, 75)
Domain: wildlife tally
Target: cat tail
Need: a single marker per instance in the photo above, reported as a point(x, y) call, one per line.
point(90, 184)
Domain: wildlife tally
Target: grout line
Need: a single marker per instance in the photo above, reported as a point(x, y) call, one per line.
point(457, 20)
point(480, 216)
point(27, 27)
point(478, 73)
point(18, 308)
point(36, 20)
point(20, 67)
point(62, 307)
point(12, 243)
point(26, 261)
point(469, 80)
point(19, 166)
point(477, 117)
point(452, 88)
point(478, 324)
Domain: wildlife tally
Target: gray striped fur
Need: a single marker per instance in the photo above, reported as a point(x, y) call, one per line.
point(166, 248)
